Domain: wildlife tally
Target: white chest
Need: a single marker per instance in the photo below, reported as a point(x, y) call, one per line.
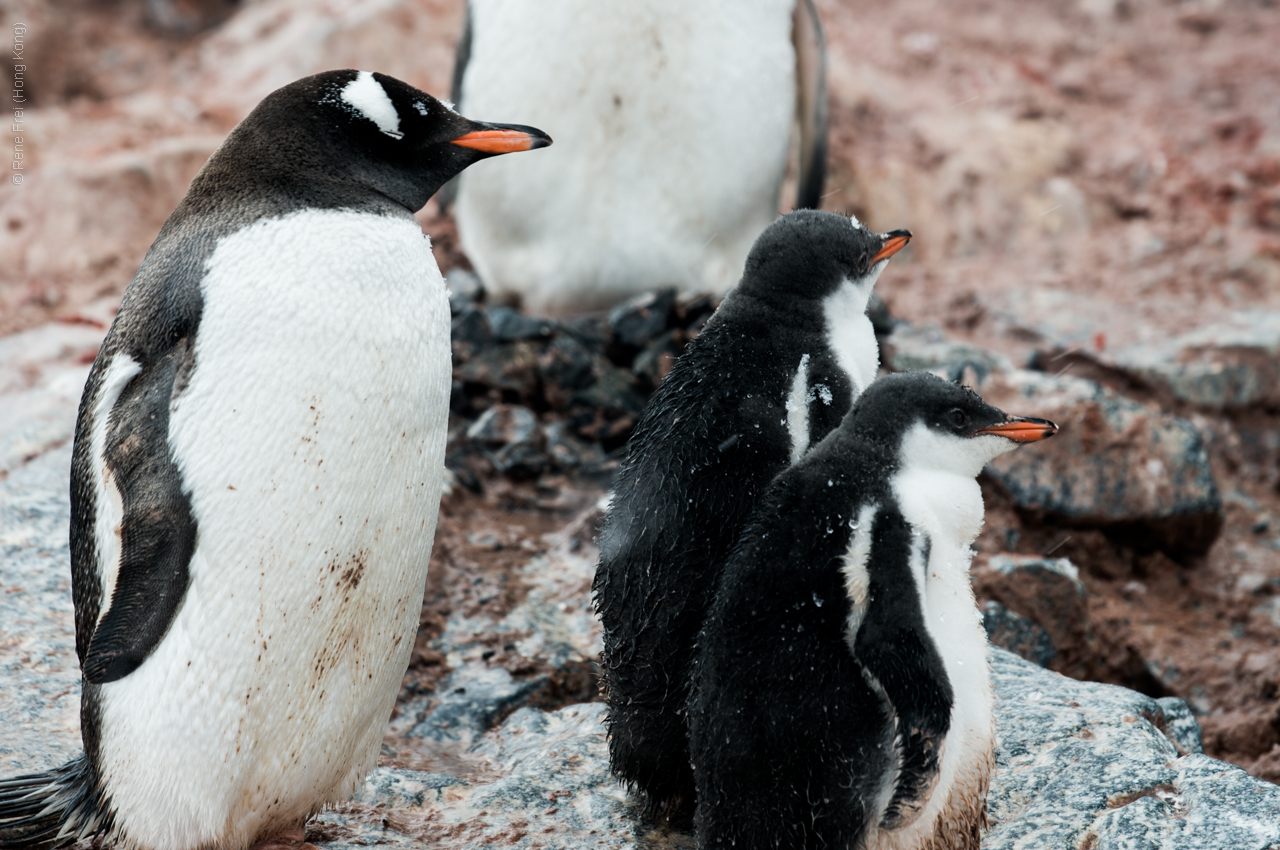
point(671, 121)
point(310, 440)
point(945, 509)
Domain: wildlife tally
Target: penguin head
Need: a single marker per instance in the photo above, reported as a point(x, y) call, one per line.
point(809, 254)
point(340, 128)
point(940, 425)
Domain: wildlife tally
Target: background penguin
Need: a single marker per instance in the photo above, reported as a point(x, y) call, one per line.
point(677, 117)
point(775, 369)
point(257, 467)
point(841, 696)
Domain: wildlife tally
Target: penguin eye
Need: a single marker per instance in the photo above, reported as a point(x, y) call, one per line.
point(957, 418)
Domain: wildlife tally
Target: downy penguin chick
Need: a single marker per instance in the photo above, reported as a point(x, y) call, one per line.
point(841, 696)
point(257, 468)
point(677, 117)
point(774, 370)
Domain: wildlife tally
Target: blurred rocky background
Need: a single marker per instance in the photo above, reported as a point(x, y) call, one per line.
point(1094, 187)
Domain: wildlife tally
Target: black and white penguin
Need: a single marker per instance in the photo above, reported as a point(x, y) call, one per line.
point(841, 696)
point(677, 117)
point(774, 370)
point(257, 468)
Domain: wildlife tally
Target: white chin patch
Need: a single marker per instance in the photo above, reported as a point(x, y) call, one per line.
point(367, 96)
point(923, 448)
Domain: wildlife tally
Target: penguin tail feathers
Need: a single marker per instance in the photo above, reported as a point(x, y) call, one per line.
point(51, 809)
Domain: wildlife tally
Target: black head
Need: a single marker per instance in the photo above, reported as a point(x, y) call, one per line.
point(328, 139)
point(808, 253)
point(935, 423)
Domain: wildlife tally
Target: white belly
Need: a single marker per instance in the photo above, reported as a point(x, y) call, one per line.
point(948, 508)
point(310, 440)
point(671, 121)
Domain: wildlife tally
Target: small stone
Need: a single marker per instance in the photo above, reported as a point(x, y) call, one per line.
point(1017, 634)
point(615, 391)
point(521, 461)
point(505, 424)
point(568, 451)
point(509, 325)
point(639, 320)
point(470, 333)
point(512, 366)
point(465, 290)
point(656, 361)
point(566, 365)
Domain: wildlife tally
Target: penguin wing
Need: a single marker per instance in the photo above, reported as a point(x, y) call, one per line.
point(811, 102)
point(448, 193)
point(132, 528)
point(896, 652)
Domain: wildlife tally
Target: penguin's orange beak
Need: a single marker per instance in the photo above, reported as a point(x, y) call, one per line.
point(895, 241)
point(498, 140)
point(1022, 430)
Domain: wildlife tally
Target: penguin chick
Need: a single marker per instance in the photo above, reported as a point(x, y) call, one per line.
point(774, 370)
point(257, 467)
point(677, 117)
point(841, 697)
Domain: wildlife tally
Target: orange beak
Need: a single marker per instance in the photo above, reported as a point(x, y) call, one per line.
point(1022, 430)
point(502, 141)
point(895, 241)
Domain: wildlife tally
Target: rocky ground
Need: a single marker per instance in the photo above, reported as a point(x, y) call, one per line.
point(1095, 192)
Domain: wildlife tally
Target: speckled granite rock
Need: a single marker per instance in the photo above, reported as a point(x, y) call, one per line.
point(1084, 765)
point(39, 675)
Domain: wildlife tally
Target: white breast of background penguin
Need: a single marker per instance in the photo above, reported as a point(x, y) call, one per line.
point(310, 439)
point(938, 495)
point(672, 120)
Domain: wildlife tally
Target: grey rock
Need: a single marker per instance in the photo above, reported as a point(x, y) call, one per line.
point(504, 424)
point(510, 325)
point(1017, 634)
point(927, 348)
point(639, 320)
point(1049, 593)
point(1218, 367)
point(1078, 760)
point(468, 703)
point(1142, 475)
point(465, 290)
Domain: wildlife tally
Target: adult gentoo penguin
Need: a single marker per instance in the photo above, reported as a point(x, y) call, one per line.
point(257, 467)
point(841, 696)
point(676, 117)
point(774, 370)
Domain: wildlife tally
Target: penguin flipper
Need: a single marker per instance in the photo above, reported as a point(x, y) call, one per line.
point(897, 655)
point(448, 193)
point(156, 525)
point(811, 103)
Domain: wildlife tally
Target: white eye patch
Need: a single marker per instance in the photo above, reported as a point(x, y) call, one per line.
point(370, 99)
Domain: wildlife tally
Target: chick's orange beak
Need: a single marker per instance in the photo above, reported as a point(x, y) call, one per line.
point(895, 241)
point(1022, 430)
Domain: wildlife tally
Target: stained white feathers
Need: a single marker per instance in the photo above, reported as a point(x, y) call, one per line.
point(321, 371)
